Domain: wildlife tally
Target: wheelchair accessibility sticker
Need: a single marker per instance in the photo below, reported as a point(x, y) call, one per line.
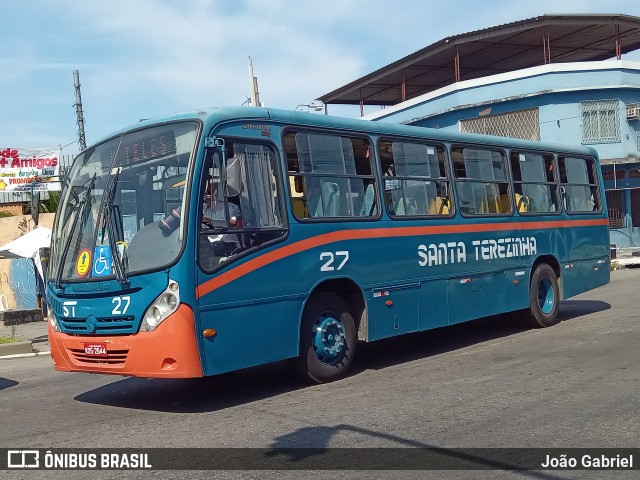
point(102, 261)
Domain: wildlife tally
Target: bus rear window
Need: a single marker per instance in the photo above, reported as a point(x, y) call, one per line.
point(579, 183)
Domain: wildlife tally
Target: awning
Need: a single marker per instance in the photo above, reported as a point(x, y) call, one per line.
point(28, 246)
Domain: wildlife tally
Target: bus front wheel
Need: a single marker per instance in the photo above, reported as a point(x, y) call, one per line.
point(544, 297)
point(327, 339)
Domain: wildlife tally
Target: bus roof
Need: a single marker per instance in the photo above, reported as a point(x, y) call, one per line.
point(214, 115)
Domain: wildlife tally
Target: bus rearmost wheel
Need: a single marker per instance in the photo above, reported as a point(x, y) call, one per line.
point(544, 297)
point(327, 339)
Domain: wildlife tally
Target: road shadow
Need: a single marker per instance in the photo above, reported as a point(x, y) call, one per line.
point(408, 348)
point(394, 351)
point(308, 448)
point(7, 383)
point(196, 395)
point(245, 386)
point(573, 309)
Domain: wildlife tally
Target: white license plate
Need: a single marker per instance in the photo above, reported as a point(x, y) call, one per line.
point(95, 349)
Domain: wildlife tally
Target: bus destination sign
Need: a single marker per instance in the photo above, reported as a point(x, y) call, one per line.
point(138, 149)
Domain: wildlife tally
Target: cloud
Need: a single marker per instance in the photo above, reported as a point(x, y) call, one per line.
point(144, 58)
point(190, 54)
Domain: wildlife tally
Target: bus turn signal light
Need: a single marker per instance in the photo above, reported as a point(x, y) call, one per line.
point(209, 332)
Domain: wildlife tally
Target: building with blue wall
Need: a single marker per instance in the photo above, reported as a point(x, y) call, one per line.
point(553, 78)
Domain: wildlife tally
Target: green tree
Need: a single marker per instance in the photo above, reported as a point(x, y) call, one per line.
point(49, 205)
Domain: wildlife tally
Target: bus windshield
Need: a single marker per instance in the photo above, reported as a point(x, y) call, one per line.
point(126, 196)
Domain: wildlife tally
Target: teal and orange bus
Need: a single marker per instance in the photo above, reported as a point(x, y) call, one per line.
point(221, 239)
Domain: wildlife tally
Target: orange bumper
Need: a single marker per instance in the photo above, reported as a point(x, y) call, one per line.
point(170, 351)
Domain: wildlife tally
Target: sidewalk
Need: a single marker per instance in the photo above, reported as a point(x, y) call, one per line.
point(627, 257)
point(628, 262)
point(34, 332)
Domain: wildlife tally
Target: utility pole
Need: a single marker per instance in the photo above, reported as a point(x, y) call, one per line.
point(253, 87)
point(79, 114)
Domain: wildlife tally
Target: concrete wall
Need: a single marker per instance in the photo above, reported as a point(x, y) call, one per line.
point(12, 208)
point(17, 277)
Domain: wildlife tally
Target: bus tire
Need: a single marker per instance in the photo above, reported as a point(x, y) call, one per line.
point(544, 297)
point(327, 339)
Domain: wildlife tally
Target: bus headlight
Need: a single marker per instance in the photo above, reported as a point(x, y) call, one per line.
point(53, 321)
point(163, 306)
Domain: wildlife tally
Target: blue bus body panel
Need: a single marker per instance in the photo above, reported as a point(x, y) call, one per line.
point(255, 326)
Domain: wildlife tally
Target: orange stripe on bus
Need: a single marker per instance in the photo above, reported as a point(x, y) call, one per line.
point(360, 234)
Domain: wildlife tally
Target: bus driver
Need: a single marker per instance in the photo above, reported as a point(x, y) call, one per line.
point(214, 213)
point(214, 209)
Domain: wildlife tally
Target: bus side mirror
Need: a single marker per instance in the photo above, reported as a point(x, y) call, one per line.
point(35, 207)
point(298, 184)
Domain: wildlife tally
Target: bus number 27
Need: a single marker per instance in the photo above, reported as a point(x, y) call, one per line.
point(121, 305)
point(330, 257)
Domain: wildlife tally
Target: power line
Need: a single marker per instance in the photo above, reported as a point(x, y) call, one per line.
point(70, 143)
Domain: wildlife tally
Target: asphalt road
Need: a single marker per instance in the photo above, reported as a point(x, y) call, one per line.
point(489, 383)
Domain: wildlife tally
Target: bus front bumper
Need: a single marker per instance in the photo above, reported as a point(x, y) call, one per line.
point(170, 351)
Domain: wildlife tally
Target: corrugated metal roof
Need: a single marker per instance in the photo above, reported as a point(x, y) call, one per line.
point(503, 48)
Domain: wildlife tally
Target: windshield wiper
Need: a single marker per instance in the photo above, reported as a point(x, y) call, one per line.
point(67, 244)
point(109, 220)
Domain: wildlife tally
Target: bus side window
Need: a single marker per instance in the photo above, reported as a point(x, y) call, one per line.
point(333, 171)
point(481, 181)
point(415, 178)
point(535, 188)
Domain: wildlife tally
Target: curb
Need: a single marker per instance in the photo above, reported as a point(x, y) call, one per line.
point(16, 348)
point(24, 355)
point(20, 316)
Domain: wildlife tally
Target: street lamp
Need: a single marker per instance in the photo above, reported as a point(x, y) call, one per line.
point(311, 106)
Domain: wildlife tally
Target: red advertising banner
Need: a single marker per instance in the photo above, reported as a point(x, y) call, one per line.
point(29, 169)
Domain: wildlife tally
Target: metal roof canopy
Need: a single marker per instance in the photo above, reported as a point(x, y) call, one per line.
point(504, 48)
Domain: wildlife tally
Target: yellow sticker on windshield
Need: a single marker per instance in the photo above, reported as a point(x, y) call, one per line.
point(83, 263)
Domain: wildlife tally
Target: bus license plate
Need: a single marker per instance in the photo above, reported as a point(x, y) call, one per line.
point(95, 349)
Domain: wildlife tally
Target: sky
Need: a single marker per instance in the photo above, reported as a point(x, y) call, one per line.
point(147, 58)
